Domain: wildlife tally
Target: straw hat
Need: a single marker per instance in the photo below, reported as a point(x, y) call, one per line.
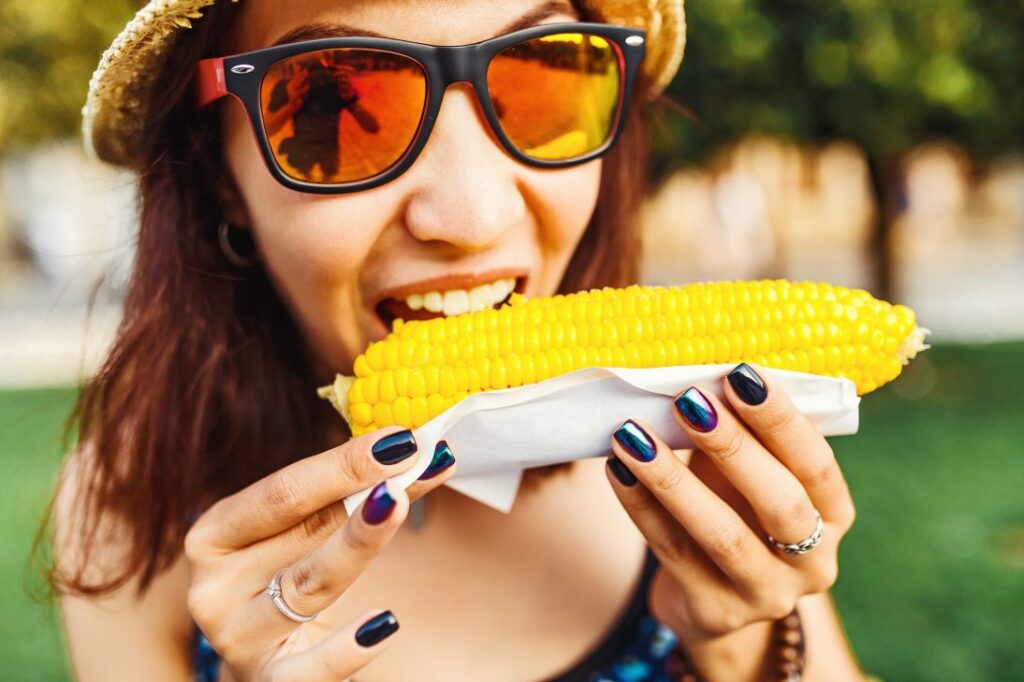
point(119, 90)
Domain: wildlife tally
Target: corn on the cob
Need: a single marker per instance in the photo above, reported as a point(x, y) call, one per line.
point(424, 367)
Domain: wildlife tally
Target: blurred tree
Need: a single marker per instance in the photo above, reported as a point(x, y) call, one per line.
point(48, 50)
point(885, 74)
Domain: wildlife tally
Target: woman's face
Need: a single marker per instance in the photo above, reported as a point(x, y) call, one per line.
point(465, 216)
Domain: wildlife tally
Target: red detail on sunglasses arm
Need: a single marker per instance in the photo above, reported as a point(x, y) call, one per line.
point(210, 83)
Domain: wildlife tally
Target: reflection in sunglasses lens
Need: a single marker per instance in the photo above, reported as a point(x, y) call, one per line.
point(557, 96)
point(342, 115)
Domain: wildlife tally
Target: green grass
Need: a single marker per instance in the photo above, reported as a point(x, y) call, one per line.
point(931, 582)
point(30, 453)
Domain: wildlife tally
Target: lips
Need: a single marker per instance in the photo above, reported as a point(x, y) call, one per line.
point(449, 295)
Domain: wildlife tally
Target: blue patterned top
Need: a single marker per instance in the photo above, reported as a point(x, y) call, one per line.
point(638, 649)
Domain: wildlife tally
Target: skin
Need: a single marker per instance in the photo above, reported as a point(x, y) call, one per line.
point(338, 253)
point(474, 588)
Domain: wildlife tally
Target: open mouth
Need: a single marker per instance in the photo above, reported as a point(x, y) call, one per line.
point(427, 305)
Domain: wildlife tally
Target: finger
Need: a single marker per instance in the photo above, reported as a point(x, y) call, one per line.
point(318, 579)
point(776, 496)
point(314, 529)
point(289, 495)
point(787, 433)
point(719, 530)
point(711, 604)
point(676, 550)
point(339, 656)
point(441, 468)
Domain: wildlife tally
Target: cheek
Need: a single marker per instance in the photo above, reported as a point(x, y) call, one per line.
point(312, 246)
point(568, 198)
point(302, 237)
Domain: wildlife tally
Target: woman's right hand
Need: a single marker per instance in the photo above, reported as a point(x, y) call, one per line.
point(295, 519)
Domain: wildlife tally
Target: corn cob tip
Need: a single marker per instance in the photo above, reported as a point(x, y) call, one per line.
point(337, 394)
point(913, 344)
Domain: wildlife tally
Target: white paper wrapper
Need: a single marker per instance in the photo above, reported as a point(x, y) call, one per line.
point(497, 434)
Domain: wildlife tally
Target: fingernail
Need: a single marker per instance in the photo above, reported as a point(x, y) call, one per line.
point(443, 458)
point(376, 629)
point(636, 441)
point(747, 384)
point(697, 410)
point(378, 505)
point(394, 448)
point(621, 471)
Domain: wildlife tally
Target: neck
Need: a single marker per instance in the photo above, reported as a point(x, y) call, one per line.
point(573, 502)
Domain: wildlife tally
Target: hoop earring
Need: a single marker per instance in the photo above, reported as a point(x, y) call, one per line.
point(227, 248)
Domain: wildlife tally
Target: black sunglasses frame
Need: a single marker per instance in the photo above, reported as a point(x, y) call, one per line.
point(242, 75)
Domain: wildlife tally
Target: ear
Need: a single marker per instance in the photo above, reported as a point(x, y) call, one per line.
point(233, 207)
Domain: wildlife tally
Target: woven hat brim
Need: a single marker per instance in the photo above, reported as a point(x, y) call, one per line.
point(115, 109)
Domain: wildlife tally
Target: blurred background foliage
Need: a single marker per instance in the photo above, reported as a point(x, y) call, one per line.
point(49, 49)
point(886, 74)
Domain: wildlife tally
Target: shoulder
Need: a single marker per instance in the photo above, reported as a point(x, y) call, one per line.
point(86, 536)
point(92, 533)
point(89, 545)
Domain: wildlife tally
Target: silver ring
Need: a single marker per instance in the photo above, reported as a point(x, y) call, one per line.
point(274, 590)
point(805, 545)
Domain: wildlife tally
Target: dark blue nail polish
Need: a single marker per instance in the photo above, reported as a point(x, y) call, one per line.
point(697, 410)
point(376, 629)
point(636, 441)
point(394, 448)
point(747, 384)
point(378, 505)
point(443, 458)
point(621, 471)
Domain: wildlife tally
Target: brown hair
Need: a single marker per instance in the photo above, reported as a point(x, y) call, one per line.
point(205, 389)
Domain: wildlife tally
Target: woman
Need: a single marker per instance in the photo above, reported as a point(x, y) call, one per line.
point(199, 528)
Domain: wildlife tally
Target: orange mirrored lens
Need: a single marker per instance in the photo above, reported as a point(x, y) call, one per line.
point(343, 115)
point(556, 96)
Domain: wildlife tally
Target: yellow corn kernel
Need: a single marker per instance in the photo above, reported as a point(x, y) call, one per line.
point(400, 411)
point(418, 411)
point(387, 386)
point(382, 414)
point(362, 413)
point(424, 366)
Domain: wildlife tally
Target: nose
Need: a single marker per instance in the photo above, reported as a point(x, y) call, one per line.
point(465, 190)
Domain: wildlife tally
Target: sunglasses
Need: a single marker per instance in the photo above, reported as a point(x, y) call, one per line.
point(346, 114)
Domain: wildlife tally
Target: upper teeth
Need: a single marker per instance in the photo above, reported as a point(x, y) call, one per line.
point(457, 301)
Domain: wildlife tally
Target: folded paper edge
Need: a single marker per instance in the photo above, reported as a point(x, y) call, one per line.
point(472, 486)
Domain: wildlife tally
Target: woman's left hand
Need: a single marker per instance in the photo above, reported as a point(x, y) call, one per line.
point(761, 467)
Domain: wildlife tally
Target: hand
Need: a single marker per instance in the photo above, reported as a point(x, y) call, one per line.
point(298, 88)
point(344, 76)
point(295, 519)
point(762, 468)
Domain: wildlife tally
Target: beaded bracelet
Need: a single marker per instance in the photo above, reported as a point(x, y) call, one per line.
point(788, 651)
